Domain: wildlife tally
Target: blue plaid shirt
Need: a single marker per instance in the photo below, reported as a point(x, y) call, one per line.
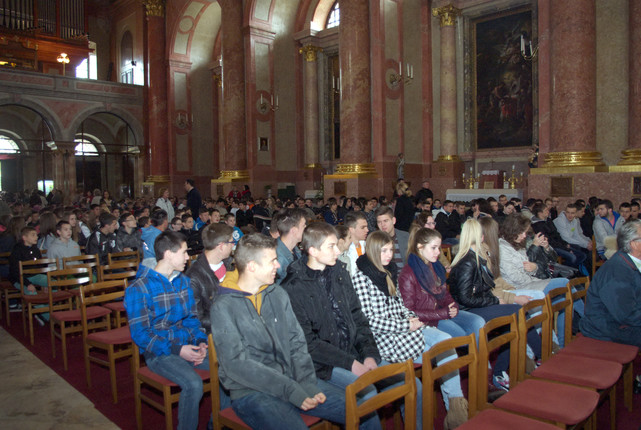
point(162, 314)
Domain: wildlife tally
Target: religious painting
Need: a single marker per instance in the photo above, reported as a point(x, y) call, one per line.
point(636, 186)
point(263, 144)
point(503, 80)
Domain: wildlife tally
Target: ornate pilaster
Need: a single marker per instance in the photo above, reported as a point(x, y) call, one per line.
point(154, 7)
point(64, 169)
point(310, 111)
point(309, 52)
point(447, 15)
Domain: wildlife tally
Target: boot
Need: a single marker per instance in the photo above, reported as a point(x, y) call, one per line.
point(457, 414)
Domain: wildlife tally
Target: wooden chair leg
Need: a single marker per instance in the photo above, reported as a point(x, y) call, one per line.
point(63, 339)
point(31, 336)
point(628, 382)
point(166, 398)
point(613, 408)
point(112, 373)
point(137, 403)
point(87, 348)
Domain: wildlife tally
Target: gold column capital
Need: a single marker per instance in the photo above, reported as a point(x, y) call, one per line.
point(447, 14)
point(355, 168)
point(154, 7)
point(309, 51)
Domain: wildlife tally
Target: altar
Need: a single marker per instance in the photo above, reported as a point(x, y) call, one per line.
point(468, 194)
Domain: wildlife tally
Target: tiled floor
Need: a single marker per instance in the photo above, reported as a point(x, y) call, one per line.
point(32, 396)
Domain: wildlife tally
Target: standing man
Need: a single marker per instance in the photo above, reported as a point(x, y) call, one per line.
point(209, 270)
point(264, 361)
point(194, 201)
point(424, 193)
point(357, 224)
point(290, 224)
point(163, 323)
point(385, 221)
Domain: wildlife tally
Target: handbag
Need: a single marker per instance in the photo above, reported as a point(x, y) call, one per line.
point(558, 270)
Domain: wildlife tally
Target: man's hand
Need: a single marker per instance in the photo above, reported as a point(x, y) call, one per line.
point(522, 300)
point(452, 310)
point(192, 353)
point(589, 248)
point(309, 403)
point(370, 363)
point(359, 368)
point(538, 239)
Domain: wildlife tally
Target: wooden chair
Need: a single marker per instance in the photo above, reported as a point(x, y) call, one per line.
point(115, 342)
point(598, 375)
point(7, 290)
point(562, 405)
point(407, 391)
point(33, 304)
point(118, 257)
point(192, 260)
point(121, 270)
point(447, 252)
point(487, 419)
point(89, 261)
point(227, 418)
point(168, 389)
point(600, 349)
point(596, 260)
point(67, 319)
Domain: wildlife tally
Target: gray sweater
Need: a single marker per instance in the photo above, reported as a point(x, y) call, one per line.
point(59, 250)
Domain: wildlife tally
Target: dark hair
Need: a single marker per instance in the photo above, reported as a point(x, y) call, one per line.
point(47, 224)
point(158, 217)
point(175, 220)
point(123, 217)
point(538, 208)
point(185, 217)
point(106, 218)
point(421, 236)
point(530, 202)
point(26, 230)
point(384, 210)
point(214, 234)
point(250, 248)
point(342, 231)
point(512, 227)
point(635, 204)
point(229, 216)
point(190, 181)
point(572, 206)
point(167, 241)
point(315, 234)
point(142, 221)
point(60, 224)
point(288, 219)
point(352, 217)
point(606, 202)
point(625, 205)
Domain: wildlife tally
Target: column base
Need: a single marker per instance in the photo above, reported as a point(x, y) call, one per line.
point(630, 161)
point(223, 184)
point(154, 183)
point(571, 162)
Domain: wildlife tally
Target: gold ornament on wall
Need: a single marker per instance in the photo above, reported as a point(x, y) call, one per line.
point(309, 51)
point(154, 7)
point(447, 14)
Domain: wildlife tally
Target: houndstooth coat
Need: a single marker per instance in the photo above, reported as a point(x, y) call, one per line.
point(389, 321)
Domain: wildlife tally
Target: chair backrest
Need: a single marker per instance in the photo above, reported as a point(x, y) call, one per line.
point(527, 322)
point(36, 267)
point(98, 293)
point(406, 391)
point(192, 259)
point(489, 342)
point(119, 270)
point(432, 372)
point(557, 300)
point(215, 382)
point(90, 261)
point(4, 258)
point(116, 257)
point(579, 293)
point(66, 279)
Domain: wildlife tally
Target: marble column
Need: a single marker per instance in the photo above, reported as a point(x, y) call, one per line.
point(157, 143)
point(234, 165)
point(632, 154)
point(573, 85)
point(64, 169)
point(447, 16)
point(310, 103)
point(356, 105)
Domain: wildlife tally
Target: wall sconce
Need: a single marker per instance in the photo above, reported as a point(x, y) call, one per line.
point(182, 121)
point(64, 59)
point(397, 79)
point(264, 105)
point(527, 52)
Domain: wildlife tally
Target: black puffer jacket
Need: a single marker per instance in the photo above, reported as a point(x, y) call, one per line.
point(471, 284)
point(313, 309)
point(204, 284)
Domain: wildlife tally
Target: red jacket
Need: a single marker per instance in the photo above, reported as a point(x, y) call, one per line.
point(429, 310)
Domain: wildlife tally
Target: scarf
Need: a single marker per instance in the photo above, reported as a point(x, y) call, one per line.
point(427, 276)
point(378, 278)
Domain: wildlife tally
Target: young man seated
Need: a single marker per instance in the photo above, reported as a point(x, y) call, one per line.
point(103, 240)
point(163, 323)
point(262, 349)
point(63, 246)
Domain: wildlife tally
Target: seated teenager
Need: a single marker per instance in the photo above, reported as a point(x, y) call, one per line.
point(63, 246)
point(262, 351)
point(399, 333)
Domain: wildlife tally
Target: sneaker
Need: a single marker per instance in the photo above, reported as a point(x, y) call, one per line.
point(15, 306)
point(40, 320)
point(637, 385)
point(502, 381)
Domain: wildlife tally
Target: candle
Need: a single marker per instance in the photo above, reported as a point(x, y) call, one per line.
point(470, 168)
point(412, 72)
point(400, 68)
point(463, 175)
point(261, 99)
point(522, 45)
point(512, 167)
point(276, 100)
point(272, 100)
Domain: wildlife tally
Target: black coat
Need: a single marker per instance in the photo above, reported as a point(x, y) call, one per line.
point(448, 225)
point(194, 202)
point(548, 229)
point(313, 309)
point(21, 252)
point(471, 284)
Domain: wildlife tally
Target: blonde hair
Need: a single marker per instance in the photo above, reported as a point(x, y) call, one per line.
point(471, 237)
point(403, 189)
point(373, 246)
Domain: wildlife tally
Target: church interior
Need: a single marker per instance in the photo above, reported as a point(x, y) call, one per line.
point(321, 98)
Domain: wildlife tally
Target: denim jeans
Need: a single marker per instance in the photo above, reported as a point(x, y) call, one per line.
point(450, 383)
point(463, 324)
point(573, 257)
point(266, 412)
point(181, 372)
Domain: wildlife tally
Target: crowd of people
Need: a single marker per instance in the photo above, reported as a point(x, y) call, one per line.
point(303, 296)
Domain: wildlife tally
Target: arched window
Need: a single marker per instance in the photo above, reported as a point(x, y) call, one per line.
point(8, 146)
point(334, 19)
point(86, 148)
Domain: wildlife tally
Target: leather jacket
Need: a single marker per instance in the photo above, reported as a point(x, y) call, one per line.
point(471, 284)
point(425, 305)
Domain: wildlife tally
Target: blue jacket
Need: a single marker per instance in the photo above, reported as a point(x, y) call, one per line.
point(162, 313)
point(149, 235)
point(614, 299)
